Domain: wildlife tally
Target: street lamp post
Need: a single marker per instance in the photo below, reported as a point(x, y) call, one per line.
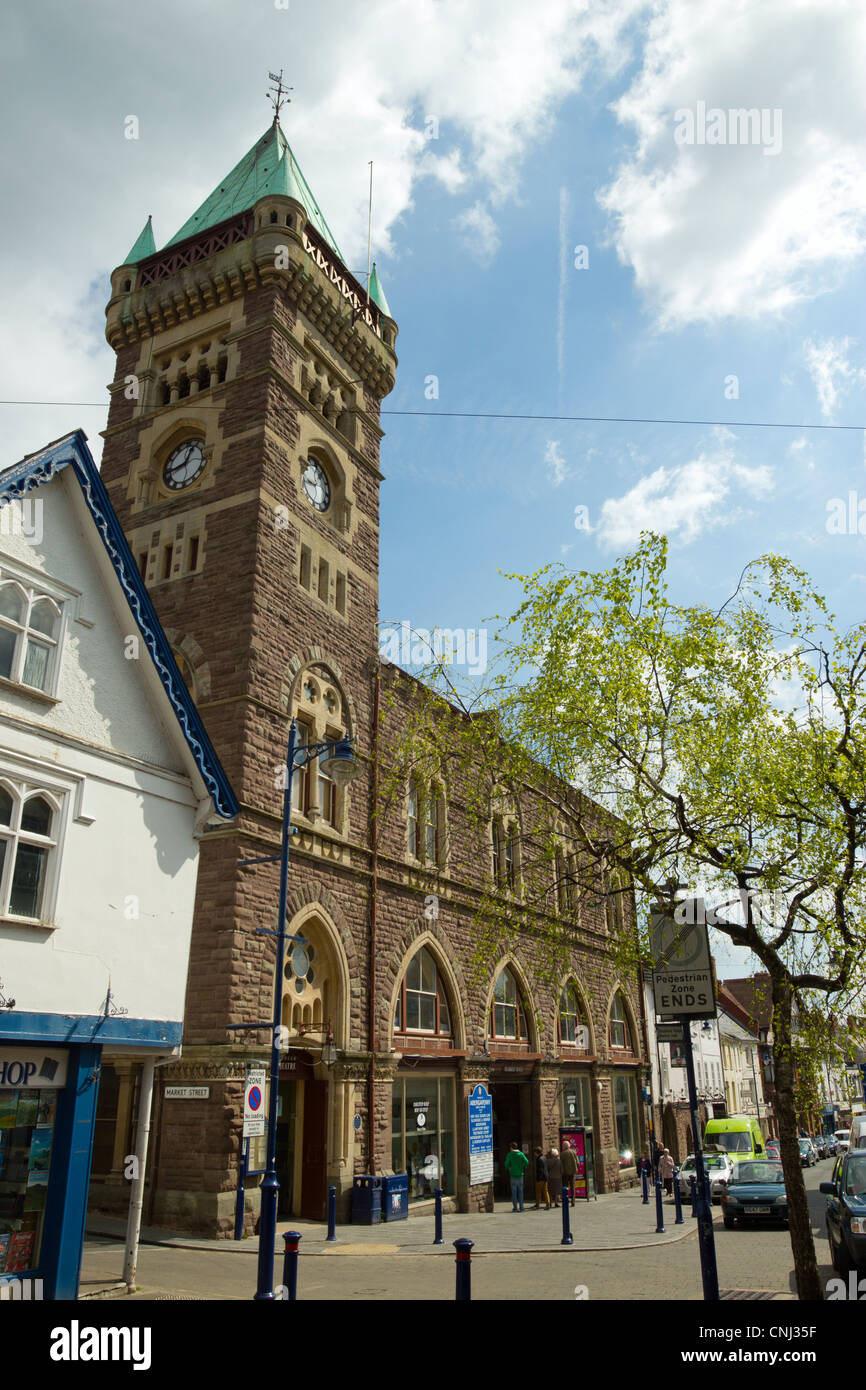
point(341, 766)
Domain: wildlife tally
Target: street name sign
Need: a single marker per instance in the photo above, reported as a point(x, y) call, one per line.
point(187, 1092)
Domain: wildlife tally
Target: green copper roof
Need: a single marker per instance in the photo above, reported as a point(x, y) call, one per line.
point(377, 294)
point(144, 245)
point(269, 167)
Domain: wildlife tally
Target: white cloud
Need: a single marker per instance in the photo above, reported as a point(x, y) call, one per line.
point(831, 371)
point(682, 502)
point(479, 233)
point(557, 468)
point(727, 231)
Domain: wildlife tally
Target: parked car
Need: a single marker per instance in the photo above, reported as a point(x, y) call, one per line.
point(719, 1166)
point(842, 1136)
point(846, 1212)
point(774, 1149)
point(755, 1192)
point(807, 1153)
point(821, 1145)
point(832, 1146)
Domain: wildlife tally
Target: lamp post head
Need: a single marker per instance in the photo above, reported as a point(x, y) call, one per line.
point(341, 765)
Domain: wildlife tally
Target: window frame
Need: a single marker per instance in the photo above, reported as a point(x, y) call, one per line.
point(24, 634)
point(571, 987)
point(628, 1044)
point(20, 791)
point(401, 1010)
point(518, 1006)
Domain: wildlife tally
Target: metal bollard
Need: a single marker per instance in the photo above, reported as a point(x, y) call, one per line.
point(290, 1263)
point(660, 1216)
point(240, 1196)
point(437, 1236)
point(693, 1187)
point(678, 1200)
point(644, 1184)
point(567, 1237)
point(463, 1287)
point(332, 1214)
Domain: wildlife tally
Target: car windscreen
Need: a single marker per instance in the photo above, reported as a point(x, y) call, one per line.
point(758, 1172)
point(734, 1141)
point(855, 1176)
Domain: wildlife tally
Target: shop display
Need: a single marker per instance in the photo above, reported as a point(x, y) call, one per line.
point(27, 1119)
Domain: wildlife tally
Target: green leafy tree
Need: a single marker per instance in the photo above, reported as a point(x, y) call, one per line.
point(728, 749)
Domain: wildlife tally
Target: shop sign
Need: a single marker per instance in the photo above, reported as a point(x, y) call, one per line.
point(187, 1092)
point(31, 1068)
point(254, 1102)
point(480, 1136)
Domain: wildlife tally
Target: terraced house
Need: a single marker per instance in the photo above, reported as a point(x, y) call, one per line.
point(242, 455)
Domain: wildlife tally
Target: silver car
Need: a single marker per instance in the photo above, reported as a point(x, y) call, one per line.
point(719, 1166)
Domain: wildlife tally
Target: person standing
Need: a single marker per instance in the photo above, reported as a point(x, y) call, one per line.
point(568, 1162)
point(554, 1175)
point(541, 1191)
point(666, 1171)
point(516, 1164)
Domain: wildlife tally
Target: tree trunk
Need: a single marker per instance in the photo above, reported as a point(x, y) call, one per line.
point(799, 1222)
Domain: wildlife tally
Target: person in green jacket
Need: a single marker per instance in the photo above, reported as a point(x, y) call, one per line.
point(516, 1164)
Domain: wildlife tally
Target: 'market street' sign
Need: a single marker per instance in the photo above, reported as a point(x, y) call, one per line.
point(683, 977)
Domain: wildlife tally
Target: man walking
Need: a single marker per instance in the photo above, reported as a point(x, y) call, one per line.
point(541, 1192)
point(516, 1164)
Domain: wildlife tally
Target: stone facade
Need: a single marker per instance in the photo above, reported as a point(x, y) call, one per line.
point(247, 345)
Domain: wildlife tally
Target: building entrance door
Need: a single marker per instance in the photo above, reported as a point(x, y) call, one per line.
point(286, 1132)
point(315, 1146)
point(506, 1128)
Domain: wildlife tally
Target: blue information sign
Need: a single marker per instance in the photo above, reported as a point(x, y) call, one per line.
point(480, 1136)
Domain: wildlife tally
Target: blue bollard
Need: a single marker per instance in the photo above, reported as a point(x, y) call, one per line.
point(644, 1184)
point(241, 1193)
point(693, 1186)
point(678, 1200)
point(332, 1214)
point(463, 1286)
point(660, 1216)
point(437, 1236)
point(290, 1264)
point(567, 1237)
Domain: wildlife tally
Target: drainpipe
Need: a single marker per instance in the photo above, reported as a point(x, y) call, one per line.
point(374, 890)
point(133, 1225)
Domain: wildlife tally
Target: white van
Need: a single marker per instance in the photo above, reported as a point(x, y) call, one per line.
point(842, 1139)
point(857, 1133)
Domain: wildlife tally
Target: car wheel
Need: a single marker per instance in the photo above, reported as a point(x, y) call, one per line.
point(839, 1258)
point(729, 1223)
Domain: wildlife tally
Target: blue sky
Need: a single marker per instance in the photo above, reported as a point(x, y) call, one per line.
point(555, 128)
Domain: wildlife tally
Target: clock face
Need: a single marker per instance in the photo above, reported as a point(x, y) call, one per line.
point(184, 464)
point(316, 485)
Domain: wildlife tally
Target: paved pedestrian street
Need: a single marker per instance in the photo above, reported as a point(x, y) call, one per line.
point(616, 1255)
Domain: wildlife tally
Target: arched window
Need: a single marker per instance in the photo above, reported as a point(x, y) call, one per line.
point(620, 1032)
point(507, 1015)
point(29, 632)
point(422, 1004)
point(572, 1029)
point(26, 843)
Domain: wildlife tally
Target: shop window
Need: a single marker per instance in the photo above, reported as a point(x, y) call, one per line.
point(625, 1110)
point(576, 1100)
point(507, 1015)
point(29, 635)
point(422, 1130)
point(620, 1032)
point(27, 1117)
point(26, 847)
point(422, 1004)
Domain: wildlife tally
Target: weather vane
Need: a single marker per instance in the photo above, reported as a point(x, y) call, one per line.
point(278, 96)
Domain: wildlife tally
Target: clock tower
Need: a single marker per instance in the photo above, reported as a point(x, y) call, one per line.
point(242, 457)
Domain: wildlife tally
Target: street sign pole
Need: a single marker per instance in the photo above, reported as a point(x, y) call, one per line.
point(703, 1212)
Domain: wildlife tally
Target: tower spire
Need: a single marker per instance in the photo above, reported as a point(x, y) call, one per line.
point(278, 96)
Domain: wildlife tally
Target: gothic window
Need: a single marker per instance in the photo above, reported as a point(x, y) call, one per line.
point(620, 1032)
point(29, 633)
point(571, 1027)
point(507, 1015)
point(321, 719)
point(27, 843)
point(422, 1004)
